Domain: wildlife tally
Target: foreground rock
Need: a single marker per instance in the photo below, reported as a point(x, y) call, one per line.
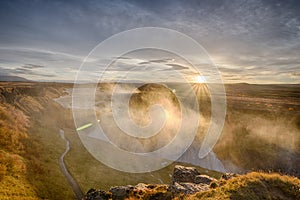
point(184, 174)
point(185, 180)
point(140, 191)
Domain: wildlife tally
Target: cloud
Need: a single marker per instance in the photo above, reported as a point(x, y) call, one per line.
point(177, 66)
point(140, 64)
point(31, 72)
point(26, 73)
point(32, 66)
point(164, 60)
point(5, 71)
point(36, 64)
point(17, 54)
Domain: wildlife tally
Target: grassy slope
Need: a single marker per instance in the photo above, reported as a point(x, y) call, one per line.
point(254, 186)
point(91, 173)
point(251, 186)
point(45, 173)
point(13, 181)
point(29, 156)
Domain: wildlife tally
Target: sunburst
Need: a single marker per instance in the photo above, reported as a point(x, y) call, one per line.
point(199, 79)
point(203, 97)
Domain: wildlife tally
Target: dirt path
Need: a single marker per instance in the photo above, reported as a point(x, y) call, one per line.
point(70, 179)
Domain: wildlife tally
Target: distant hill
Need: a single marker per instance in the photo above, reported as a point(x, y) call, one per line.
point(13, 79)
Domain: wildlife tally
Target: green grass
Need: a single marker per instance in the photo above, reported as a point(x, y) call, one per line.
point(44, 172)
point(91, 173)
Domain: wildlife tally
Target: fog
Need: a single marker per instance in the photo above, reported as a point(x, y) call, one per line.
point(146, 118)
point(260, 140)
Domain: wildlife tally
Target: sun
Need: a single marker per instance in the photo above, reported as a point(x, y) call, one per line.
point(199, 79)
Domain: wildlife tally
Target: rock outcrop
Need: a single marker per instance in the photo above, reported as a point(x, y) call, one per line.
point(188, 180)
point(183, 174)
point(185, 180)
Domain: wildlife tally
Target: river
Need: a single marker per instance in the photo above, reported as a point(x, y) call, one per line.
point(72, 182)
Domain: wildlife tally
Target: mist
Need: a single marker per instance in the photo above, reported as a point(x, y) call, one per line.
point(254, 137)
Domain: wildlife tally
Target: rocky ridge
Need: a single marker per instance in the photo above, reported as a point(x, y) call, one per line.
point(185, 180)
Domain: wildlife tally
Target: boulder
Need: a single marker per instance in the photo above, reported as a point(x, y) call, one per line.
point(187, 180)
point(120, 192)
point(204, 179)
point(187, 188)
point(183, 174)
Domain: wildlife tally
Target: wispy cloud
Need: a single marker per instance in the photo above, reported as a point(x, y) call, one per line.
point(38, 64)
point(32, 66)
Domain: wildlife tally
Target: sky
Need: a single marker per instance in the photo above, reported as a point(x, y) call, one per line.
point(249, 41)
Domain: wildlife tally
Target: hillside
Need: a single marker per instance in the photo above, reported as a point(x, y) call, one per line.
point(28, 167)
point(253, 185)
point(188, 183)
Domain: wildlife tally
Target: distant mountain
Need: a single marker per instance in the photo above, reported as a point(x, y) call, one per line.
point(13, 79)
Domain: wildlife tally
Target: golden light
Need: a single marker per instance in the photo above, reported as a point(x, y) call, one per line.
point(199, 79)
